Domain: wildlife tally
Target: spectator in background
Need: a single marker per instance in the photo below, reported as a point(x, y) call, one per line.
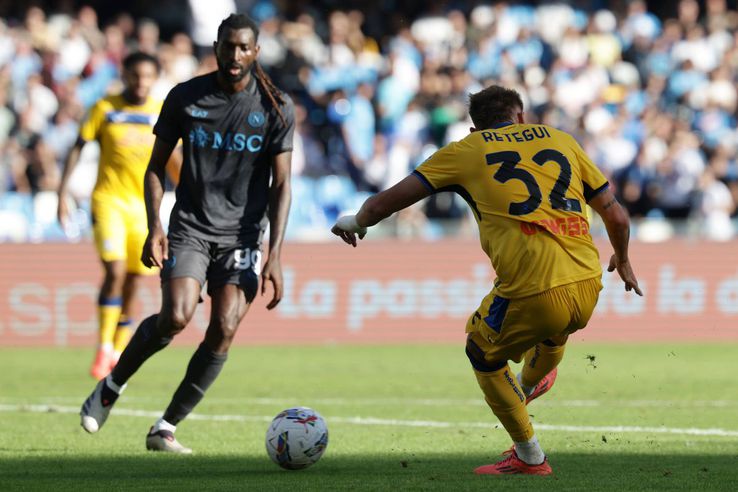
point(147, 35)
point(206, 17)
point(61, 135)
point(31, 172)
point(358, 130)
point(716, 205)
point(115, 43)
point(7, 117)
point(308, 156)
point(615, 78)
point(396, 90)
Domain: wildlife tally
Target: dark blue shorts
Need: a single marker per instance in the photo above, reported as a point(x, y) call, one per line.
point(217, 263)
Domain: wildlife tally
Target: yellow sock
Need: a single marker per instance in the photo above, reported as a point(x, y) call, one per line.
point(506, 399)
point(539, 361)
point(122, 335)
point(108, 316)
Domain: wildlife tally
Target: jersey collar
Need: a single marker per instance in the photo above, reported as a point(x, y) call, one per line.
point(503, 124)
point(251, 86)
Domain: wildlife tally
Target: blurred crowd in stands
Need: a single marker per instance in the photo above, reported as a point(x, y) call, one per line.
point(652, 99)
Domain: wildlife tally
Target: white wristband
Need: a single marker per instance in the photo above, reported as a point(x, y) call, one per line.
point(348, 223)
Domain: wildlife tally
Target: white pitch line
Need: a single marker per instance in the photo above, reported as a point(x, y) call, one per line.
point(386, 422)
point(424, 402)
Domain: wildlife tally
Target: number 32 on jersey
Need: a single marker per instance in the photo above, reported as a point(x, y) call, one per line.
point(507, 171)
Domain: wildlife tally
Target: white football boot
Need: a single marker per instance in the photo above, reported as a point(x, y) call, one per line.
point(97, 406)
point(164, 440)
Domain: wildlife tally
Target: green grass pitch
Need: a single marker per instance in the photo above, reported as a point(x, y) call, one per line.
point(620, 417)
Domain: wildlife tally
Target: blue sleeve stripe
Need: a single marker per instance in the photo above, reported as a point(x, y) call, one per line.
point(424, 180)
point(590, 193)
point(131, 118)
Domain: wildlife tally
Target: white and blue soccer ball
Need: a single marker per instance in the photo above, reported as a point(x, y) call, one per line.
point(296, 438)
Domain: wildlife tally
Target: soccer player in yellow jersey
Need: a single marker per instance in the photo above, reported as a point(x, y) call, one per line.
point(527, 186)
point(122, 124)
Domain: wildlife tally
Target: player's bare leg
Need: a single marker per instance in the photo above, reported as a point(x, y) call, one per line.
point(109, 309)
point(179, 301)
point(229, 305)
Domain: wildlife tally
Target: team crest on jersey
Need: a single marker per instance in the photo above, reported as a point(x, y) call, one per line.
point(256, 119)
point(199, 137)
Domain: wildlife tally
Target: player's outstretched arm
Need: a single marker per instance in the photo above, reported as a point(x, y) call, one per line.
point(617, 223)
point(155, 249)
point(378, 207)
point(62, 209)
point(280, 197)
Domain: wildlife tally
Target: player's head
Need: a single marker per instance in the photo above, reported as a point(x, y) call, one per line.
point(140, 71)
point(494, 105)
point(236, 48)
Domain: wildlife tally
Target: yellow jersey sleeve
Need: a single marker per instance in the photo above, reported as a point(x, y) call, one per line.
point(90, 129)
point(441, 169)
point(593, 180)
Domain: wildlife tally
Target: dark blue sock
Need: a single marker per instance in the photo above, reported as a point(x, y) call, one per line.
point(144, 343)
point(202, 370)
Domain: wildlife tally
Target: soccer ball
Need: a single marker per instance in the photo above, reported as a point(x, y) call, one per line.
point(296, 438)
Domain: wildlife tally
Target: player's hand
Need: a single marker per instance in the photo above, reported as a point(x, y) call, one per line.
point(347, 229)
point(626, 273)
point(156, 248)
point(272, 272)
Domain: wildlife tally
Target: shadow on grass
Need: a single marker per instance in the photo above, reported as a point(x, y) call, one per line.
point(427, 472)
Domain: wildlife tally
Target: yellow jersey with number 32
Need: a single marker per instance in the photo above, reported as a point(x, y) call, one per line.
point(527, 186)
point(125, 134)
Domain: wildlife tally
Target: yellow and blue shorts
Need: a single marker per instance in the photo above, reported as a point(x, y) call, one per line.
point(120, 231)
point(505, 329)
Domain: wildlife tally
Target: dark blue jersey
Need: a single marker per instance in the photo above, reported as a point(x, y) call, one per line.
point(228, 141)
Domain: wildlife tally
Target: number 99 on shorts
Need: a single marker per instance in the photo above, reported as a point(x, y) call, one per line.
point(246, 258)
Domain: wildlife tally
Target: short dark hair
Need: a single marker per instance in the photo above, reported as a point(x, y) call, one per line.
point(494, 105)
point(238, 21)
point(137, 57)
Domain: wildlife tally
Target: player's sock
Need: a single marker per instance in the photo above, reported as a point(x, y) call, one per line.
point(528, 390)
point(162, 424)
point(202, 370)
point(539, 361)
point(111, 390)
point(108, 309)
point(530, 451)
point(507, 401)
point(144, 343)
point(122, 336)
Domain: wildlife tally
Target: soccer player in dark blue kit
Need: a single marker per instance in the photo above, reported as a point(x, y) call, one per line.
point(236, 128)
